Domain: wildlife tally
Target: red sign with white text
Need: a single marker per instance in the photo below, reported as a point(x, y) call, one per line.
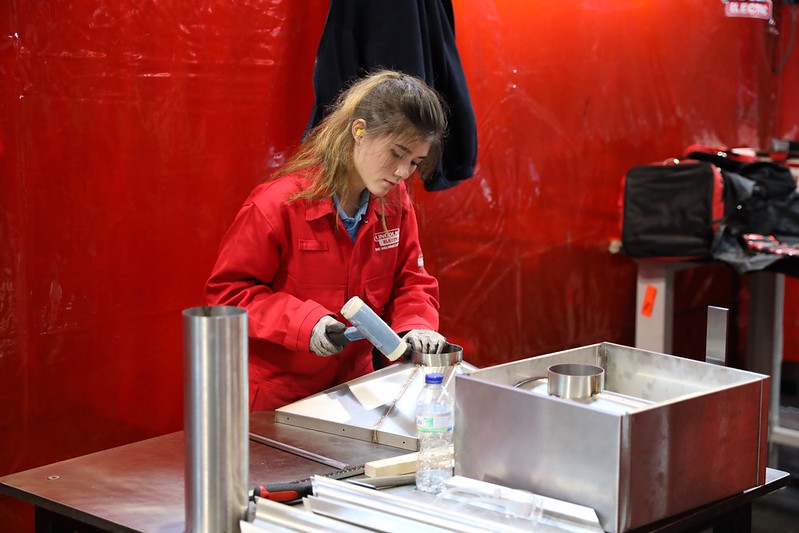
point(757, 10)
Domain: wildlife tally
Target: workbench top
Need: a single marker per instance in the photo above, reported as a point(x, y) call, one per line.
point(140, 486)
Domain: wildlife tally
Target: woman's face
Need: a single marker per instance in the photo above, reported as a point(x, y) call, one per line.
point(382, 163)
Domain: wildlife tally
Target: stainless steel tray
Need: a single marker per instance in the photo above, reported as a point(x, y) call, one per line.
point(378, 407)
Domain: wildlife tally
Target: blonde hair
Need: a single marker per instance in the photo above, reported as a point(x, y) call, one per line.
point(391, 103)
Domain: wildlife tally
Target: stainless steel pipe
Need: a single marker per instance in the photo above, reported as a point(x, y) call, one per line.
point(216, 418)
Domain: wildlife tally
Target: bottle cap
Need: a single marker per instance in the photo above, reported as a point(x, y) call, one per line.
point(434, 378)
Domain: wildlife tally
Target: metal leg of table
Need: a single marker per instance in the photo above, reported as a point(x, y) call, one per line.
point(765, 342)
point(654, 306)
point(764, 339)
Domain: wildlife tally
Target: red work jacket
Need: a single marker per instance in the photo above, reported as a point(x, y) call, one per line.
point(290, 263)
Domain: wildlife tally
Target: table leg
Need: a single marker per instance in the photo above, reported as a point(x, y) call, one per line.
point(764, 339)
point(654, 308)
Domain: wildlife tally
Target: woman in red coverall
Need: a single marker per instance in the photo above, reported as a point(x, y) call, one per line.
point(335, 222)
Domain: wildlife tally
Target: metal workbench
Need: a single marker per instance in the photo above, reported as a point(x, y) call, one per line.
point(139, 486)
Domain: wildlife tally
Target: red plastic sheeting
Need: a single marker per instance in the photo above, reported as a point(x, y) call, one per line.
point(130, 133)
point(786, 62)
point(567, 98)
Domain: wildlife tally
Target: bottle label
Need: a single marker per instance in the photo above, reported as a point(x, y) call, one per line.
point(435, 424)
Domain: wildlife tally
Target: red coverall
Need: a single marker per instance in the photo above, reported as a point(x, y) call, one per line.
point(290, 263)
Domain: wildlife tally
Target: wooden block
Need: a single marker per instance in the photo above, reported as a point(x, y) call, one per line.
point(393, 466)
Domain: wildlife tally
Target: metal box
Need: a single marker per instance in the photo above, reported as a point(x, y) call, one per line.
point(667, 434)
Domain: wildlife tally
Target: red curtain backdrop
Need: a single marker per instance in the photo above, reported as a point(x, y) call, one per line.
point(786, 65)
point(130, 133)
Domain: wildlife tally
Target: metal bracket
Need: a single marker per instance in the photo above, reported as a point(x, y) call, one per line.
point(716, 343)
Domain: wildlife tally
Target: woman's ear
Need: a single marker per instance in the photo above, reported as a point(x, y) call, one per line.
point(358, 129)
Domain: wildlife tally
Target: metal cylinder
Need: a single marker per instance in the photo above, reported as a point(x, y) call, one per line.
point(216, 418)
point(450, 355)
point(575, 380)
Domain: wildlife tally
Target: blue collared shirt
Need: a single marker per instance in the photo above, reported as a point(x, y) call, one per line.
point(352, 223)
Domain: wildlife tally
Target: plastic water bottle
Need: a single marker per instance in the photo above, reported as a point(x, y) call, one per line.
point(434, 421)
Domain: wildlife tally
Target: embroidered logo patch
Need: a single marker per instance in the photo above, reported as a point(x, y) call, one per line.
point(387, 239)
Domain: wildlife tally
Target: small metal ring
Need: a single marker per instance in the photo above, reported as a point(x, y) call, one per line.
point(450, 355)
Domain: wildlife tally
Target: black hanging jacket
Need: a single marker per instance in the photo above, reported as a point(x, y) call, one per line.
point(416, 37)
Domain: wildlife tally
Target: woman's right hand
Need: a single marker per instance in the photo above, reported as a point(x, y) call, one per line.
point(321, 344)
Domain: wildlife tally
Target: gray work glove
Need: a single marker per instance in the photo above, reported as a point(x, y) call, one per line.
point(425, 340)
point(321, 344)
